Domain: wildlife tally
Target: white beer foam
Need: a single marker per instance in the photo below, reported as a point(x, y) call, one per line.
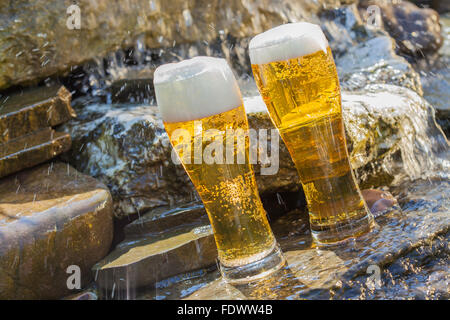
point(286, 42)
point(196, 88)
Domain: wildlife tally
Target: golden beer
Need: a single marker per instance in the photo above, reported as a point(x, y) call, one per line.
point(296, 75)
point(226, 186)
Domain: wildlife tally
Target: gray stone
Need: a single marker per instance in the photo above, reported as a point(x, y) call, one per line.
point(51, 217)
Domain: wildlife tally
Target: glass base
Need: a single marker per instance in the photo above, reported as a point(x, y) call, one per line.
point(254, 270)
point(340, 232)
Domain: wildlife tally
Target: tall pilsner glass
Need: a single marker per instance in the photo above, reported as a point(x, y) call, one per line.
point(295, 73)
point(203, 113)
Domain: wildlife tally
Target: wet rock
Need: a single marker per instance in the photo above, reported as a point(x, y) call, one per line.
point(32, 149)
point(391, 131)
point(435, 77)
point(163, 218)
point(416, 31)
point(374, 61)
point(440, 6)
point(134, 85)
point(149, 255)
point(51, 43)
point(378, 200)
point(31, 110)
point(51, 217)
point(393, 136)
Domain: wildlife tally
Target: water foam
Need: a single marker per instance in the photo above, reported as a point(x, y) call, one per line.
point(286, 42)
point(196, 88)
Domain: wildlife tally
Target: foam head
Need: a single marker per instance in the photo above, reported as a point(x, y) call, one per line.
point(195, 88)
point(287, 41)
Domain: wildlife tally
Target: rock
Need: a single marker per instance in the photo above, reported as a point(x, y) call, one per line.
point(374, 61)
point(435, 77)
point(378, 200)
point(150, 254)
point(51, 217)
point(391, 133)
point(440, 6)
point(32, 110)
point(50, 43)
point(163, 218)
point(30, 150)
point(416, 31)
point(135, 85)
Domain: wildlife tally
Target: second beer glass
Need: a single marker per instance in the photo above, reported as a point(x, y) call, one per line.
point(202, 109)
point(295, 73)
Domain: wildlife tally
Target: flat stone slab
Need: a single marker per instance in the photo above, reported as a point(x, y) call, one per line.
point(151, 254)
point(163, 219)
point(34, 109)
point(33, 149)
point(51, 217)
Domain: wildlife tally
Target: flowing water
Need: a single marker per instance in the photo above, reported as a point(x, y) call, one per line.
point(406, 257)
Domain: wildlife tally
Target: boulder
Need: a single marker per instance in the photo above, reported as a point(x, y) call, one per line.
point(51, 217)
point(416, 30)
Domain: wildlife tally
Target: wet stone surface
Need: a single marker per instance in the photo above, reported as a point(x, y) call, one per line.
point(32, 149)
point(26, 118)
point(153, 254)
point(51, 217)
point(34, 109)
point(435, 77)
point(409, 248)
point(416, 30)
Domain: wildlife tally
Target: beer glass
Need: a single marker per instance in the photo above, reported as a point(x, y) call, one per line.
point(295, 73)
point(203, 114)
